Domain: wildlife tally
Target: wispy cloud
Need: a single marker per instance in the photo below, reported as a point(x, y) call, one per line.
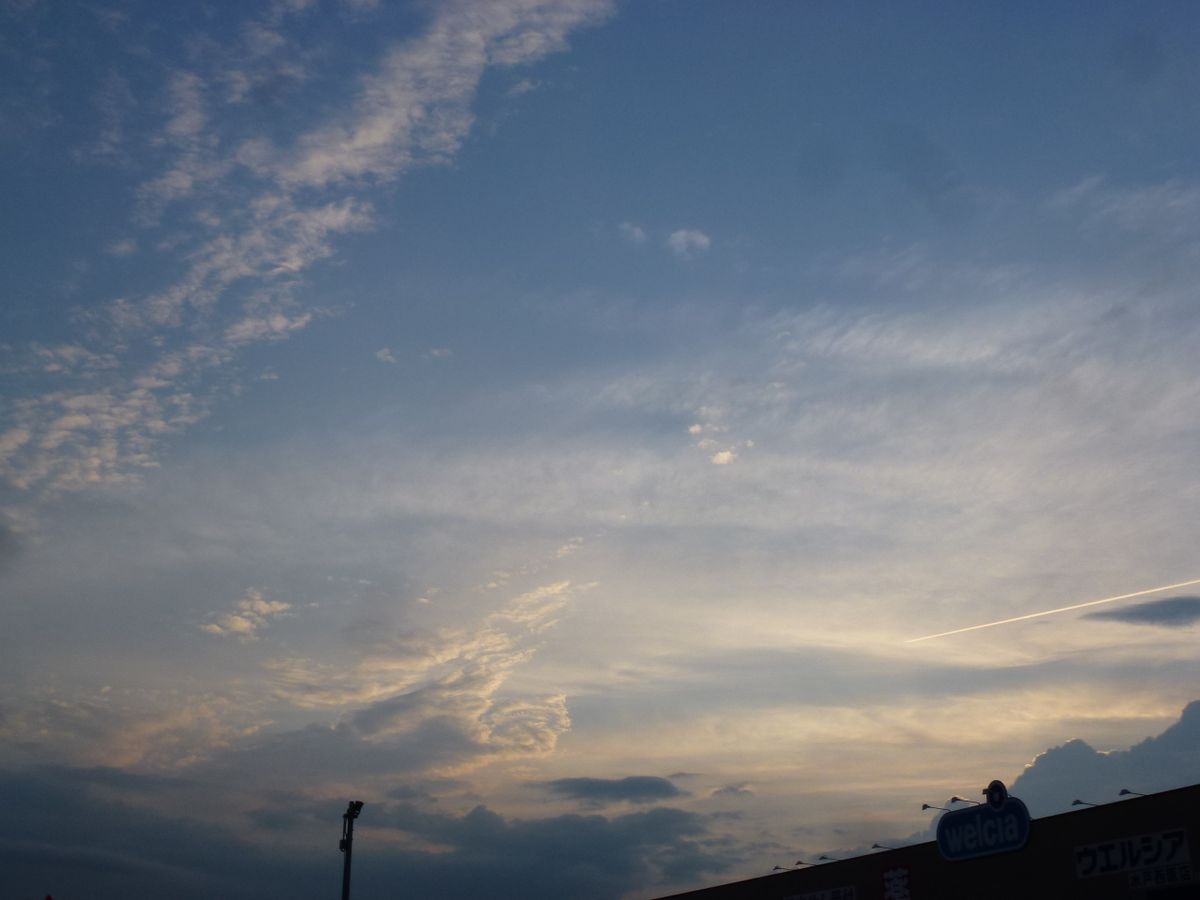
point(154, 730)
point(432, 702)
point(256, 238)
point(415, 109)
point(1167, 208)
point(688, 243)
point(409, 701)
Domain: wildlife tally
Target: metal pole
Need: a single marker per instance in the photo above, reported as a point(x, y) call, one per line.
point(346, 845)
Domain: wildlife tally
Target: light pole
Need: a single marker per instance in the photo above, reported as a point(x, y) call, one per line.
point(347, 843)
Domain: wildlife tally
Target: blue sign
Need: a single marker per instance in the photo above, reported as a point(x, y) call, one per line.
point(997, 827)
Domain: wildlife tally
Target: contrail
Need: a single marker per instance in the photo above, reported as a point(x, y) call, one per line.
point(1050, 612)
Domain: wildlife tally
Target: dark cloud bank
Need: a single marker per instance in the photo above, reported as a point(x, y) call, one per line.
point(603, 791)
point(1170, 612)
point(93, 833)
point(68, 832)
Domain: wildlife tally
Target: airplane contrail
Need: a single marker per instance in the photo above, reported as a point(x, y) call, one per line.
point(1050, 612)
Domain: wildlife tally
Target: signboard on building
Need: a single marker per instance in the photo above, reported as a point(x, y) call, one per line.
point(1128, 850)
point(1147, 860)
point(999, 826)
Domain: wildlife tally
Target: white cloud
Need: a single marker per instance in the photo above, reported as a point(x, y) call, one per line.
point(569, 547)
point(1163, 208)
point(723, 457)
point(263, 59)
point(275, 326)
point(436, 701)
point(125, 247)
point(188, 134)
point(11, 441)
point(635, 234)
point(187, 110)
point(72, 357)
point(82, 439)
point(688, 243)
point(276, 242)
point(415, 108)
point(522, 87)
point(248, 617)
point(1075, 770)
point(394, 663)
point(384, 355)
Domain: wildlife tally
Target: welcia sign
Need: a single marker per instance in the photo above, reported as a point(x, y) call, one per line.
point(999, 826)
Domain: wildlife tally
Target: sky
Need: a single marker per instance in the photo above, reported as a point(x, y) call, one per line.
point(551, 421)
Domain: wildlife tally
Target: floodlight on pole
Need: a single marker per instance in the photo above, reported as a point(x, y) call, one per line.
point(1126, 792)
point(824, 858)
point(925, 806)
point(347, 843)
point(881, 847)
point(1083, 803)
point(801, 862)
point(958, 799)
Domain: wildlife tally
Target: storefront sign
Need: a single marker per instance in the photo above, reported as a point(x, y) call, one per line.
point(1000, 826)
point(1159, 858)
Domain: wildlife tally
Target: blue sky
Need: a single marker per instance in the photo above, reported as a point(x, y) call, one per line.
point(548, 420)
